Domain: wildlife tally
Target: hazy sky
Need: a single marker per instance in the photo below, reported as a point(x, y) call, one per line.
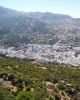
point(68, 7)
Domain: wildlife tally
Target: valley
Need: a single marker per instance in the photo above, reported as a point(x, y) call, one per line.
point(57, 53)
point(39, 56)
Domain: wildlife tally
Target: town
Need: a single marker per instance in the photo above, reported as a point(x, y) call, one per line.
point(57, 53)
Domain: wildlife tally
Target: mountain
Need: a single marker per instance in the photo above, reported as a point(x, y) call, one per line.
point(5, 12)
point(47, 16)
point(36, 27)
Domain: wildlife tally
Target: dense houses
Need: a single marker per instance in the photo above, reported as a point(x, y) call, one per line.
point(44, 53)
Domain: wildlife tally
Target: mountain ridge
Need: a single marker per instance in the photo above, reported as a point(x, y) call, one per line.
point(37, 27)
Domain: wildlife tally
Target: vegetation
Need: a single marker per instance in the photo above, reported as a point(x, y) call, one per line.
point(18, 28)
point(33, 81)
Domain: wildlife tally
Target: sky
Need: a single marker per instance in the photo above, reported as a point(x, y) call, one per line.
point(67, 7)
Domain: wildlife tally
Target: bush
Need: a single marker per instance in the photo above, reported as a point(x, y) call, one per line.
point(39, 84)
point(2, 74)
point(28, 88)
point(22, 95)
point(39, 95)
point(1, 96)
point(27, 82)
point(69, 91)
point(6, 95)
point(61, 87)
point(15, 81)
point(10, 77)
point(51, 97)
point(54, 80)
point(57, 97)
point(20, 86)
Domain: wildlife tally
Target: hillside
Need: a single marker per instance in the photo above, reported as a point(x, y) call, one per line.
point(35, 27)
point(34, 62)
point(22, 80)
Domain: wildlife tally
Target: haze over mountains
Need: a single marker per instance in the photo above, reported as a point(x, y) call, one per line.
point(36, 27)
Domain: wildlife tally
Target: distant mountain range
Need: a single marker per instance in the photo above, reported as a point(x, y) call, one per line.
point(36, 27)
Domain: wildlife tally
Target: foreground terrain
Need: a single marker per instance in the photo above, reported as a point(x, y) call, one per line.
point(29, 80)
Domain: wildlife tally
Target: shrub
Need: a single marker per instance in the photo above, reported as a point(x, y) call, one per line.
point(54, 80)
point(1, 96)
point(39, 84)
point(22, 95)
point(27, 82)
point(28, 88)
point(61, 87)
point(10, 77)
point(15, 81)
point(2, 74)
point(57, 97)
point(20, 86)
point(39, 95)
point(51, 97)
point(69, 91)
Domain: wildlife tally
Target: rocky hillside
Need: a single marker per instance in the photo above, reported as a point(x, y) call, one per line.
point(36, 27)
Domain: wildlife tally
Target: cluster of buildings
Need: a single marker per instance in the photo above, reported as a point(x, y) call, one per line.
point(44, 53)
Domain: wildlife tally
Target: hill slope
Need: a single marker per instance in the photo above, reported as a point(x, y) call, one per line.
point(36, 27)
point(22, 79)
